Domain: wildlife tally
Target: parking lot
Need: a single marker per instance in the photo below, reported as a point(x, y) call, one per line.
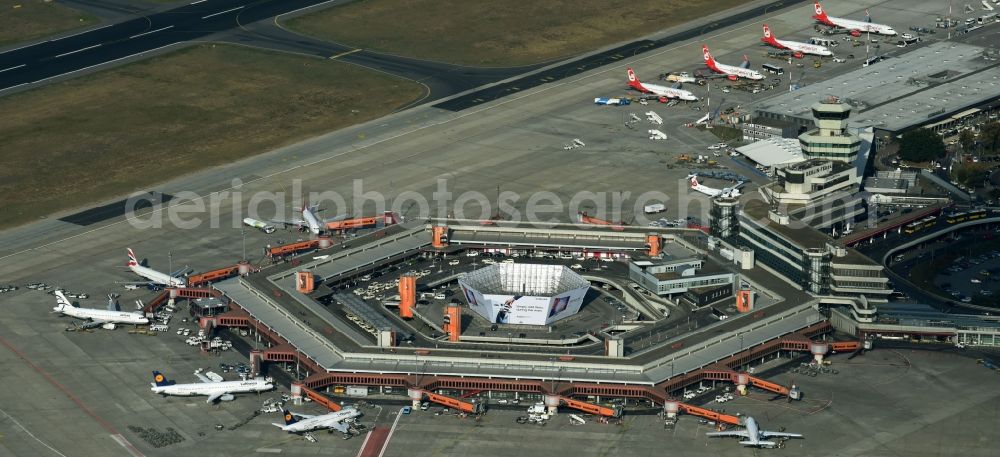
point(972, 275)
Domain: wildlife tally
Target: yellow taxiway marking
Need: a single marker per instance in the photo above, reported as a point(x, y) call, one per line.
point(344, 53)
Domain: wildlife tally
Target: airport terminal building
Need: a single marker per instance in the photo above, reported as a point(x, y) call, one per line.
point(804, 256)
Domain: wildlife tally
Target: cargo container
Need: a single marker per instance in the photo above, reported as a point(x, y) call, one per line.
point(357, 391)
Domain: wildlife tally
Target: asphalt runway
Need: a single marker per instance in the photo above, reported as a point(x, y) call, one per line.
point(116, 41)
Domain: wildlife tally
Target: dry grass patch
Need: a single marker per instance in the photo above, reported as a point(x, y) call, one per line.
point(117, 131)
point(498, 33)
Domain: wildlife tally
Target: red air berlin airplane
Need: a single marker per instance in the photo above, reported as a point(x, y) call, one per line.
point(659, 91)
point(729, 70)
point(795, 46)
point(849, 24)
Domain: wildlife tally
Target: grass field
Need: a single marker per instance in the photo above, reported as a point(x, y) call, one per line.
point(121, 130)
point(24, 20)
point(502, 33)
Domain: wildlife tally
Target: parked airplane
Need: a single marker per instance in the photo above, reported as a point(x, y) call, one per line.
point(106, 318)
point(851, 25)
point(794, 46)
point(310, 220)
point(742, 71)
point(155, 277)
point(754, 436)
point(728, 192)
point(298, 423)
point(211, 385)
point(660, 91)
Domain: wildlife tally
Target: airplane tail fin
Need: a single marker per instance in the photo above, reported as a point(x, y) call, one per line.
point(768, 37)
point(709, 60)
point(131, 258)
point(633, 81)
point(820, 14)
point(289, 417)
point(694, 181)
point(159, 380)
point(61, 302)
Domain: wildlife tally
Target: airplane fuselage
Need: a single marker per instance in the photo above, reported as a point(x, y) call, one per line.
point(670, 92)
point(323, 421)
point(157, 277)
point(805, 48)
point(860, 26)
point(116, 317)
point(312, 222)
point(193, 389)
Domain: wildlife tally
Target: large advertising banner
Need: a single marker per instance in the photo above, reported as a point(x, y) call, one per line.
point(523, 309)
point(476, 301)
point(518, 309)
point(566, 304)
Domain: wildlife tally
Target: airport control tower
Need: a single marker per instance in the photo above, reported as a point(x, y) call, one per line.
point(830, 139)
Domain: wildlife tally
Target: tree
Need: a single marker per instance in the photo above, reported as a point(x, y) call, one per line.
point(972, 175)
point(921, 145)
point(989, 137)
point(967, 139)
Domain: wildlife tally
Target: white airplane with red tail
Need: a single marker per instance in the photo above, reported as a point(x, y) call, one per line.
point(855, 27)
point(729, 192)
point(794, 46)
point(732, 72)
point(660, 91)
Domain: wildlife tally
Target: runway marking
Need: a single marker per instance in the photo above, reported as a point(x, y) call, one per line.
point(32, 435)
point(345, 53)
point(87, 68)
point(13, 68)
point(152, 31)
point(125, 444)
point(222, 12)
point(78, 50)
point(391, 431)
point(197, 2)
point(70, 36)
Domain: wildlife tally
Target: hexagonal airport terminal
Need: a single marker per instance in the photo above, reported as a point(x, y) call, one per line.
point(523, 293)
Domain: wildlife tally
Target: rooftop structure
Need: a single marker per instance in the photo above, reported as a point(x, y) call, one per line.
point(524, 293)
point(773, 152)
point(920, 87)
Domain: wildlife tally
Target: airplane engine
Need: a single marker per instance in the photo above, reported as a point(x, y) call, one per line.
point(108, 326)
point(227, 397)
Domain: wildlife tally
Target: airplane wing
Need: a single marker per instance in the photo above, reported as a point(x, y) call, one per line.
point(203, 378)
point(180, 272)
point(339, 426)
point(215, 396)
point(767, 434)
point(92, 324)
point(740, 433)
point(289, 221)
point(213, 377)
